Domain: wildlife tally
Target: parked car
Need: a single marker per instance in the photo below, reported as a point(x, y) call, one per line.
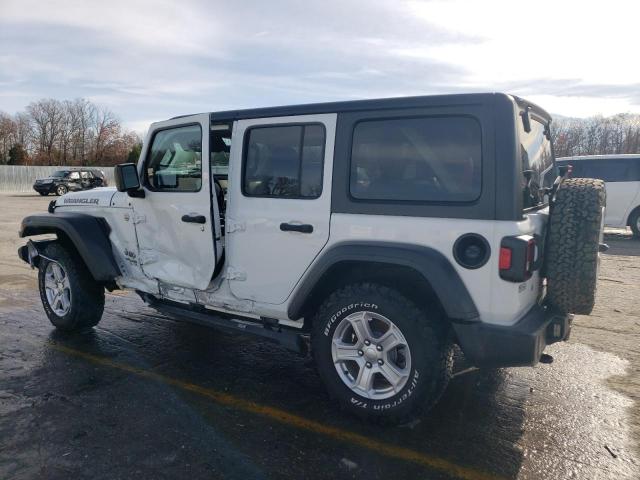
point(621, 174)
point(378, 232)
point(63, 181)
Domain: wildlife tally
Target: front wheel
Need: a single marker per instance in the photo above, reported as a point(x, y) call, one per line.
point(71, 298)
point(61, 190)
point(379, 354)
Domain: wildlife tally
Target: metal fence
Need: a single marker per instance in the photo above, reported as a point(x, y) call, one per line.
point(19, 178)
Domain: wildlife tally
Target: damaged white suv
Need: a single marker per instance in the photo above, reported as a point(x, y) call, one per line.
point(386, 231)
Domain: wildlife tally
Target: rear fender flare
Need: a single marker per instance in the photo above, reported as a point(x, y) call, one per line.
point(434, 267)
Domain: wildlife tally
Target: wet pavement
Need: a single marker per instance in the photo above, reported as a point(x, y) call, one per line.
point(144, 396)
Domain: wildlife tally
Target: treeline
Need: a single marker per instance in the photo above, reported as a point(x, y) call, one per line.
point(78, 132)
point(596, 135)
point(67, 132)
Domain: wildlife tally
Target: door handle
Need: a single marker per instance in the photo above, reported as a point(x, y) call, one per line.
point(292, 227)
point(194, 219)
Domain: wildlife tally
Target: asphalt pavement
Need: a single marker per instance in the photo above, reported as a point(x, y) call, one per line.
point(146, 396)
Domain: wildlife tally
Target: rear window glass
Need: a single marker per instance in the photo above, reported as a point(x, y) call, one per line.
point(428, 159)
point(537, 163)
point(607, 169)
point(284, 161)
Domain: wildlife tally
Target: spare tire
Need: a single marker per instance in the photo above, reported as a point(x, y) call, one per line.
point(573, 243)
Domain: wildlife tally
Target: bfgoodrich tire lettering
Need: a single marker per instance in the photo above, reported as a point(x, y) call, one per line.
point(575, 227)
point(86, 298)
point(427, 338)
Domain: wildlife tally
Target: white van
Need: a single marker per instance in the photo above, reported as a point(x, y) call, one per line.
point(621, 174)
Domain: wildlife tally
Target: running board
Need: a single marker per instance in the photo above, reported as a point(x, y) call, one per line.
point(290, 340)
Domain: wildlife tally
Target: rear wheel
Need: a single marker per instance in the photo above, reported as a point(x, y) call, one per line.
point(379, 354)
point(634, 222)
point(575, 233)
point(71, 298)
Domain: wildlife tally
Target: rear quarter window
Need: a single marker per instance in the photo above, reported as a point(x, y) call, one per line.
point(426, 159)
point(537, 163)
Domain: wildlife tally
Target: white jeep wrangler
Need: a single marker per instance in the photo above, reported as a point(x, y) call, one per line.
point(385, 230)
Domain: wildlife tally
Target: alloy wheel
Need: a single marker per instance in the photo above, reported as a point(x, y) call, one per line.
point(57, 289)
point(371, 355)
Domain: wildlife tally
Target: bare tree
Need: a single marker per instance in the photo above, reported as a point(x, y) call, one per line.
point(81, 112)
point(106, 129)
point(7, 133)
point(70, 132)
point(596, 135)
point(47, 117)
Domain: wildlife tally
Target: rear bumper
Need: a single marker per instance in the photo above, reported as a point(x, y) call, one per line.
point(521, 344)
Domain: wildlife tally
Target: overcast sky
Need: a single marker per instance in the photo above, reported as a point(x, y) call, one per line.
point(149, 60)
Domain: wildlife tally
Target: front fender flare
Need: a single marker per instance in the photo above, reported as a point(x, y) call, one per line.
point(89, 235)
point(434, 267)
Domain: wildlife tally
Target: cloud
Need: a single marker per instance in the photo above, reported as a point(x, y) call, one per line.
point(156, 59)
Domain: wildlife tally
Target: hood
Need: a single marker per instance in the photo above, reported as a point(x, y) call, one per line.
point(48, 179)
point(97, 197)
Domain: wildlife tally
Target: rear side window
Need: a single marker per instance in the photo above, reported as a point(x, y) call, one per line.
point(609, 170)
point(537, 163)
point(427, 159)
point(284, 161)
point(174, 163)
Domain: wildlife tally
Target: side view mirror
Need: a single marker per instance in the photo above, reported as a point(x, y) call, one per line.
point(126, 177)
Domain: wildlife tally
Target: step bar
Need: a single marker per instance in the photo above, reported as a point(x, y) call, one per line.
point(198, 314)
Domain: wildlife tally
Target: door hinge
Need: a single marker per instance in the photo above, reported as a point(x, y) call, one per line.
point(147, 256)
point(233, 274)
point(235, 227)
point(138, 218)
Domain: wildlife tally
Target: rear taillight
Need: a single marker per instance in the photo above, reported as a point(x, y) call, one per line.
point(517, 258)
point(505, 258)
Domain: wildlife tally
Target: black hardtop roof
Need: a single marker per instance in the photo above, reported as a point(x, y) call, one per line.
point(373, 104)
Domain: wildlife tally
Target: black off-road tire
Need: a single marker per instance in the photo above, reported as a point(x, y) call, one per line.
point(573, 241)
point(634, 223)
point(61, 190)
point(87, 296)
point(428, 337)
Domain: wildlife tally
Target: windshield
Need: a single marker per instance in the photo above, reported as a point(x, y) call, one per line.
point(59, 174)
point(537, 163)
